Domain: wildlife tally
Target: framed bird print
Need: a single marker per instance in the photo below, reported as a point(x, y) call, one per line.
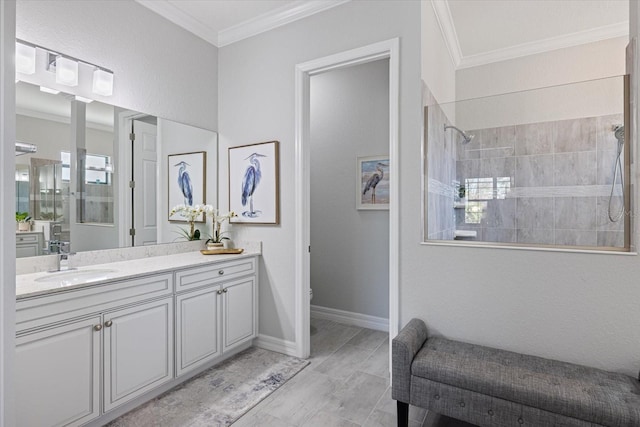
point(372, 183)
point(253, 183)
point(187, 183)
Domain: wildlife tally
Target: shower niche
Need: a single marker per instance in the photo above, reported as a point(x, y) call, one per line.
point(546, 168)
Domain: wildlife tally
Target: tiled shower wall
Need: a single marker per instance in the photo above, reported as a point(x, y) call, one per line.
point(440, 174)
point(559, 174)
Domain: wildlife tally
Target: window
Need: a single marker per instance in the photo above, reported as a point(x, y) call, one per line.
point(95, 168)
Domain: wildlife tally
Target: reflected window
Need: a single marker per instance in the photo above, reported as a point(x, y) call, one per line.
point(95, 170)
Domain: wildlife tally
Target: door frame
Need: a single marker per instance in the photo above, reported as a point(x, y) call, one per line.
point(386, 49)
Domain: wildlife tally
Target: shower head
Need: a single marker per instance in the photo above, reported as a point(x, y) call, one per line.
point(466, 138)
point(618, 132)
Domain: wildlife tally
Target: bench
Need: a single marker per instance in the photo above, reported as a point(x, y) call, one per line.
point(490, 387)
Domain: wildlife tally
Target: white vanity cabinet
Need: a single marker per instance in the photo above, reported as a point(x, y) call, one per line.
point(29, 243)
point(216, 317)
point(58, 374)
point(91, 353)
point(138, 350)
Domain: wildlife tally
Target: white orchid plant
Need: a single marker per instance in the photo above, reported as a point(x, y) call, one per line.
point(218, 219)
point(192, 213)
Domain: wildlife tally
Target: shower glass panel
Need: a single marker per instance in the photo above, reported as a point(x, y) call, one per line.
point(22, 188)
point(545, 167)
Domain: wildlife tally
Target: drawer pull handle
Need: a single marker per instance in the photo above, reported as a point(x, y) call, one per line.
point(225, 290)
point(219, 292)
point(108, 323)
point(97, 327)
point(220, 272)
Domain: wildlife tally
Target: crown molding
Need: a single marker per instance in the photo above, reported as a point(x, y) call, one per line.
point(276, 18)
point(182, 19)
point(448, 29)
point(540, 46)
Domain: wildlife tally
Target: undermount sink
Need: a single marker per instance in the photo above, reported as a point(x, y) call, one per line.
point(76, 277)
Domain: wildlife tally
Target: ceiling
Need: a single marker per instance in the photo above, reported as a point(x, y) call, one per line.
point(476, 31)
point(484, 31)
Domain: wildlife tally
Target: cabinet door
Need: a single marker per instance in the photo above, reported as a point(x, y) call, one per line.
point(58, 375)
point(239, 310)
point(27, 250)
point(198, 328)
point(138, 350)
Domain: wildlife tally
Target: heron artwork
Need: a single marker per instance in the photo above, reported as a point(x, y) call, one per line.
point(373, 181)
point(250, 182)
point(184, 182)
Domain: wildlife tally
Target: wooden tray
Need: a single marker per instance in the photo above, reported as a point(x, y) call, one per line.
point(221, 251)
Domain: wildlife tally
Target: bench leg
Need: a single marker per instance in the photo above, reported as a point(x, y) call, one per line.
point(403, 414)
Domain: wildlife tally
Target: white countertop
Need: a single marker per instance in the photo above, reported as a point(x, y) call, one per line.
point(28, 286)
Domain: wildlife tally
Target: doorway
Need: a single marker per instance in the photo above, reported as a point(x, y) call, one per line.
point(349, 195)
point(386, 49)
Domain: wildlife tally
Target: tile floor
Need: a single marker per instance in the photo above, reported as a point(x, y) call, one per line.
point(346, 385)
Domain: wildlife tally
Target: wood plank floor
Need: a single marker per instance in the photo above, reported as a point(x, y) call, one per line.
point(346, 385)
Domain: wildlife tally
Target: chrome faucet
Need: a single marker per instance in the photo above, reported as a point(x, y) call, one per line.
point(62, 255)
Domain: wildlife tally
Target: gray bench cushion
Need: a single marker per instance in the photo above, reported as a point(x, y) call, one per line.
point(584, 393)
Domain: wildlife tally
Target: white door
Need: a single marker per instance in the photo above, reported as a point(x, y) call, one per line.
point(138, 350)
point(197, 328)
point(239, 310)
point(145, 191)
point(58, 375)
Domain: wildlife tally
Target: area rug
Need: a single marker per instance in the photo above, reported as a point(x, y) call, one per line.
point(220, 395)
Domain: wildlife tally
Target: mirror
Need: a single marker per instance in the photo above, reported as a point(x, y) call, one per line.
point(89, 184)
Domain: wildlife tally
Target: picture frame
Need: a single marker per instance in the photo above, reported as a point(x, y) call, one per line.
point(255, 201)
point(185, 169)
point(372, 183)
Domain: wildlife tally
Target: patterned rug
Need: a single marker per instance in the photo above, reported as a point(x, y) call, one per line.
point(220, 395)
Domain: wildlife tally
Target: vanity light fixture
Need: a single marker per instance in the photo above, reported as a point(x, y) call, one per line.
point(49, 90)
point(83, 99)
point(66, 68)
point(25, 58)
point(66, 71)
point(102, 82)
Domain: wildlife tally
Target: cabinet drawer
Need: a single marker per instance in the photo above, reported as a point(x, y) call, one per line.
point(200, 276)
point(27, 238)
point(38, 311)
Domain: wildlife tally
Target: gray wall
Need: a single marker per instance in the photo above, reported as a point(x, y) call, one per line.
point(350, 248)
point(159, 68)
point(440, 171)
point(560, 175)
point(257, 98)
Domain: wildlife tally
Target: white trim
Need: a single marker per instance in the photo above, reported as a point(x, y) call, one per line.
point(276, 18)
point(385, 49)
point(460, 61)
point(448, 30)
point(593, 35)
point(59, 119)
point(182, 19)
point(350, 318)
point(278, 345)
point(7, 227)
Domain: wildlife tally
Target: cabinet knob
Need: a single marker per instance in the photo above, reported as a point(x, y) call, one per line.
point(108, 323)
point(225, 290)
point(220, 272)
point(97, 327)
point(219, 292)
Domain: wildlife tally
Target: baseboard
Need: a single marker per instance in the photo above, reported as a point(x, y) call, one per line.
point(350, 318)
point(278, 345)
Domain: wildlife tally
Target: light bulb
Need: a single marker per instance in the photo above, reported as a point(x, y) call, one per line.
point(102, 82)
point(25, 59)
point(66, 71)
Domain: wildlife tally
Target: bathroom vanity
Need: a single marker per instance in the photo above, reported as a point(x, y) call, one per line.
point(95, 342)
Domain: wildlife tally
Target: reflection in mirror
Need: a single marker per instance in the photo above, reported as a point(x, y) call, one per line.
point(88, 183)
